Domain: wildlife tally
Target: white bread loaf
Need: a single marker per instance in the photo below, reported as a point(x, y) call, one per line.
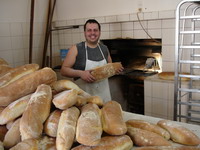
point(106, 71)
point(12, 137)
point(67, 128)
point(148, 126)
point(44, 143)
point(36, 112)
point(14, 110)
point(65, 99)
point(167, 148)
point(179, 133)
point(3, 131)
point(51, 124)
point(3, 62)
point(112, 119)
point(17, 73)
point(142, 137)
point(26, 85)
point(122, 142)
point(62, 85)
point(89, 126)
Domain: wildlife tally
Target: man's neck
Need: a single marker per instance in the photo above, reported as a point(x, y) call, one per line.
point(91, 45)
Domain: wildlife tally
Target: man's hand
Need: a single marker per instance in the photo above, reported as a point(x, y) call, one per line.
point(86, 76)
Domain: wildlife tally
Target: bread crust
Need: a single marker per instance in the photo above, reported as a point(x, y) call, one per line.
point(89, 126)
point(12, 137)
point(65, 99)
point(170, 76)
point(51, 124)
point(142, 137)
point(67, 128)
point(106, 71)
point(26, 85)
point(179, 133)
point(149, 127)
point(36, 112)
point(167, 148)
point(14, 110)
point(17, 73)
point(112, 119)
point(122, 142)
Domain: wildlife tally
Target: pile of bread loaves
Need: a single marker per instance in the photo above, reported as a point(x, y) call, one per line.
point(39, 112)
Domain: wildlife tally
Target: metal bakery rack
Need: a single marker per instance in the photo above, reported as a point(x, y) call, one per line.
point(187, 59)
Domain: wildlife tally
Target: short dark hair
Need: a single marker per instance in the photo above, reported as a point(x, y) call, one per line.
point(92, 21)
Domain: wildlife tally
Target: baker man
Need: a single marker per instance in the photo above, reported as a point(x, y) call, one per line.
point(83, 57)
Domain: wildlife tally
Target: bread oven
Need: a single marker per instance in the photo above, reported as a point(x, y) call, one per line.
point(140, 58)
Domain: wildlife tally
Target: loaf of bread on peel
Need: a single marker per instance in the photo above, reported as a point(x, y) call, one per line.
point(148, 126)
point(112, 119)
point(179, 134)
point(51, 124)
point(62, 85)
point(142, 137)
point(17, 73)
point(106, 71)
point(14, 110)
point(3, 62)
point(65, 99)
point(170, 76)
point(122, 142)
point(167, 148)
point(67, 128)
point(44, 143)
point(36, 112)
point(13, 136)
point(26, 85)
point(89, 126)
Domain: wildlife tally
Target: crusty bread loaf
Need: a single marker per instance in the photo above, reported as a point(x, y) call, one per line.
point(112, 119)
point(80, 101)
point(65, 99)
point(170, 76)
point(62, 85)
point(67, 128)
point(122, 142)
point(26, 85)
point(14, 110)
point(36, 112)
point(179, 133)
point(4, 69)
point(142, 137)
point(167, 148)
point(148, 126)
point(2, 108)
point(12, 137)
point(106, 71)
point(89, 126)
point(51, 124)
point(3, 131)
point(17, 73)
point(43, 143)
point(3, 62)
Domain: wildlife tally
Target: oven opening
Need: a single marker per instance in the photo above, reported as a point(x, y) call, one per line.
point(141, 58)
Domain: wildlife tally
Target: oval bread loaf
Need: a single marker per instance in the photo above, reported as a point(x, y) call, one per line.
point(112, 119)
point(179, 133)
point(148, 126)
point(26, 85)
point(36, 112)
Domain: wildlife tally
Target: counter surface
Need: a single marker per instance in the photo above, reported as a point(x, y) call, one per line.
point(192, 127)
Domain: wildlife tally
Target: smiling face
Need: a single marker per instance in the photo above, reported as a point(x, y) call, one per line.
point(92, 33)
